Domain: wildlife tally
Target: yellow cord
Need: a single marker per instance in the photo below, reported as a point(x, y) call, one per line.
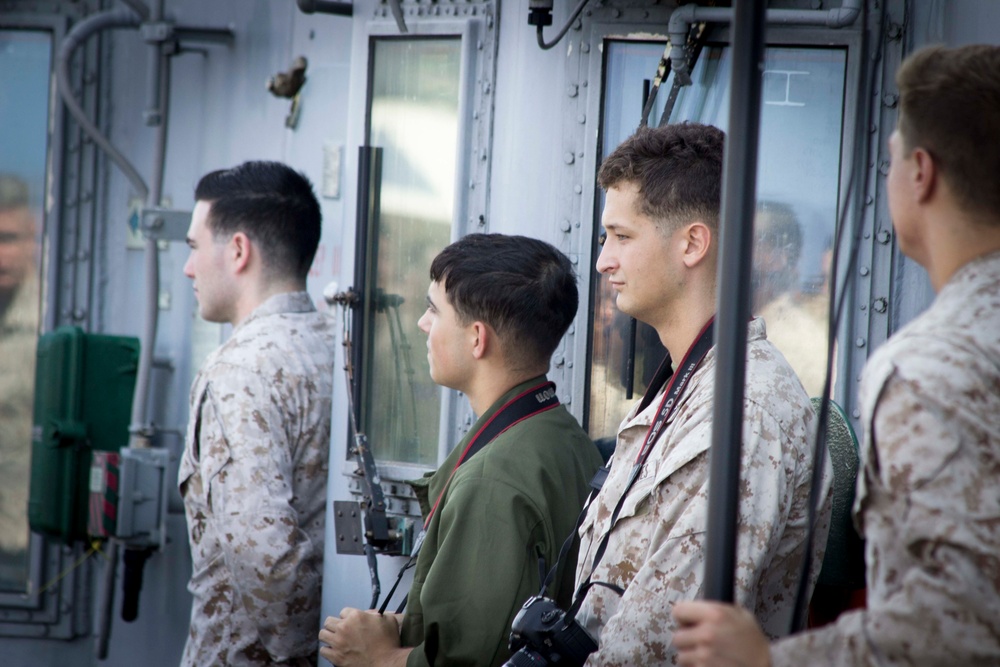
point(95, 547)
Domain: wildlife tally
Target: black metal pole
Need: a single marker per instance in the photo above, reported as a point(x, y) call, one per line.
point(369, 192)
point(733, 310)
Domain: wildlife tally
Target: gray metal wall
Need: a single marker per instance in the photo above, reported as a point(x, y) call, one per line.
point(221, 114)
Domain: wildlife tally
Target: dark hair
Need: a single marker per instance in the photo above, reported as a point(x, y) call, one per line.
point(272, 204)
point(777, 227)
point(523, 288)
point(949, 105)
point(678, 169)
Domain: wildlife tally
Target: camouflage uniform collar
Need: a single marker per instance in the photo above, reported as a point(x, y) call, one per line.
point(970, 271)
point(278, 304)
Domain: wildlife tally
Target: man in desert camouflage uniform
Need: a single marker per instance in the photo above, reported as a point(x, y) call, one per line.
point(253, 474)
point(18, 340)
point(928, 499)
point(660, 255)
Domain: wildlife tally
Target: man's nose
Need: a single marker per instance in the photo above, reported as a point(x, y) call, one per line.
point(605, 260)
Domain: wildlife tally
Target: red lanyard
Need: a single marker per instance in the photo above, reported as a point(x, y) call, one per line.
point(527, 404)
point(675, 387)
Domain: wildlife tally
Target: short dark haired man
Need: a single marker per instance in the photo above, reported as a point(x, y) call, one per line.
point(497, 307)
point(661, 216)
point(253, 474)
point(930, 396)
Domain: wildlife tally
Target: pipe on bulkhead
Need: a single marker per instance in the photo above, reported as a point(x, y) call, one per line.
point(682, 18)
point(140, 430)
point(86, 28)
point(158, 94)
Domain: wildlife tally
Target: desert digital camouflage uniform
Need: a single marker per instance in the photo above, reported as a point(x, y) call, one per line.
point(18, 341)
point(928, 500)
point(656, 548)
point(253, 477)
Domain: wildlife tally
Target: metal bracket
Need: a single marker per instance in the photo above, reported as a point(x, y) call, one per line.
point(347, 526)
point(162, 223)
point(142, 501)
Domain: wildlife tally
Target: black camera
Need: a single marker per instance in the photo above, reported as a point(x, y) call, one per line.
point(541, 635)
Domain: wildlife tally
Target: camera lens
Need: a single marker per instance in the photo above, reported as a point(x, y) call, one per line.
point(526, 658)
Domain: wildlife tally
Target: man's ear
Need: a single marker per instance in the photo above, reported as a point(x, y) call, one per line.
point(696, 241)
point(482, 339)
point(924, 176)
point(240, 248)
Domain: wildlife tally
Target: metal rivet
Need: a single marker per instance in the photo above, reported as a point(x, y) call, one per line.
point(568, 158)
point(572, 90)
point(890, 100)
point(880, 305)
point(864, 270)
point(860, 342)
point(883, 236)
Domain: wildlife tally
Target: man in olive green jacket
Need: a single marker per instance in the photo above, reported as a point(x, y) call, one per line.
point(499, 508)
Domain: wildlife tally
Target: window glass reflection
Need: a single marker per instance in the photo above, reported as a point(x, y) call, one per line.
point(414, 118)
point(24, 98)
point(798, 181)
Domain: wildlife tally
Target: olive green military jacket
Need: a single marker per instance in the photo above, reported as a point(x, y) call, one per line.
point(515, 500)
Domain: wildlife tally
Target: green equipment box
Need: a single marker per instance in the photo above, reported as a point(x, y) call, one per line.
point(83, 402)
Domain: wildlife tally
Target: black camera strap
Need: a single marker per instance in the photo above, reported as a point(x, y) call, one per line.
point(676, 385)
point(525, 405)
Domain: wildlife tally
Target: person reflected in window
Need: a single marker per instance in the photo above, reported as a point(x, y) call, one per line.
point(18, 340)
point(796, 322)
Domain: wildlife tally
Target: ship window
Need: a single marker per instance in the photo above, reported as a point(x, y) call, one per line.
point(798, 183)
point(25, 65)
point(414, 119)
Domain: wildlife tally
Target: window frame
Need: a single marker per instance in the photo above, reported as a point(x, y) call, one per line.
point(21, 614)
point(850, 357)
point(475, 25)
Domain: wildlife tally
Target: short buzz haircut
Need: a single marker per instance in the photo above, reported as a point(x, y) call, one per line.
point(678, 169)
point(524, 288)
point(271, 203)
point(949, 105)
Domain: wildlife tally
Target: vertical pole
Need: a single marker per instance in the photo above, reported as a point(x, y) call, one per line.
point(735, 255)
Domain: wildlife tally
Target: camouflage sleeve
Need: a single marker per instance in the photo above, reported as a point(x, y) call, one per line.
point(933, 548)
point(641, 631)
point(268, 555)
